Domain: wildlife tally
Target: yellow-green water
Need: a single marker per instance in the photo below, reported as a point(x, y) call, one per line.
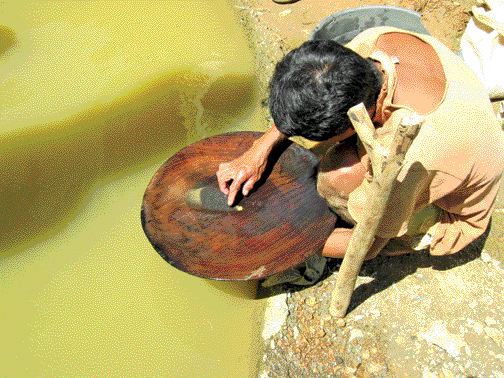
point(94, 96)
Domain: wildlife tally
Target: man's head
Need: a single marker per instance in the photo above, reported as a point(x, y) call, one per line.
point(314, 85)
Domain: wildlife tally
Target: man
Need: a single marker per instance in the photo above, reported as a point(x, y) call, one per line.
point(445, 192)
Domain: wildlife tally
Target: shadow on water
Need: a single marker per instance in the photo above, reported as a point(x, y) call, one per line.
point(7, 39)
point(239, 289)
point(49, 171)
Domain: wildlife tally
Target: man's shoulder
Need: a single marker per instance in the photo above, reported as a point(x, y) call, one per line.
point(364, 42)
point(367, 38)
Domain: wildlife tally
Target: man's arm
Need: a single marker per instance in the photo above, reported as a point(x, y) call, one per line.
point(243, 172)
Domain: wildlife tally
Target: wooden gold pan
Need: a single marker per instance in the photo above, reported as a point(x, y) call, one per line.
point(280, 224)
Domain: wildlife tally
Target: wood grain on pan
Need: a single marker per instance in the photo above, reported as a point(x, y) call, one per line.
point(280, 224)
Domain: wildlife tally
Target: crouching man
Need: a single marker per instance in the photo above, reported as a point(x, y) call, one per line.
point(445, 193)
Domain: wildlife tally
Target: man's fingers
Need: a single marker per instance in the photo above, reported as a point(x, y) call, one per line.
point(249, 185)
point(235, 187)
point(222, 180)
point(223, 185)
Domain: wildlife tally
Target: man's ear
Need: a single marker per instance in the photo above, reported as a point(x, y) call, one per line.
point(372, 112)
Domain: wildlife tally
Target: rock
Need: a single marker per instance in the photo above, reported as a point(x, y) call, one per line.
point(355, 334)
point(375, 312)
point(295, 332)
point(439, 335)
point(340, 322)
point(350, 370)
point(338, 361)
point(488, 300)
point(468, 350)
point(485, 257)
point(494, 334)
point(326, 318)
point(478, 328)
point(285, 12)
point(358, 317)
point(400, 340)
point(375, 369)
point(310, 301)
point(426, 373)
point(275, 315)
point(447, 373)
point(272, 344)
point(490, 321)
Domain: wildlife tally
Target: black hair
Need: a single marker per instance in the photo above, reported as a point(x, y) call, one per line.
point(314, 85)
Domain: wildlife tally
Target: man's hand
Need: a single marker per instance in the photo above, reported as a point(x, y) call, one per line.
point(241, 174)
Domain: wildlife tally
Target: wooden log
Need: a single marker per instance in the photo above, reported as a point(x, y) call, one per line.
point(366, 131)
point(364, 232)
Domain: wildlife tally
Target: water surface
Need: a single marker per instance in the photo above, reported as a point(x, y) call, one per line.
point(94, 96)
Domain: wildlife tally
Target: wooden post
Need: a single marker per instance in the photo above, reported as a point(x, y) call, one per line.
point(386, 165)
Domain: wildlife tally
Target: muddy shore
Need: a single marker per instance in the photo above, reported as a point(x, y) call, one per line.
point(414, 315)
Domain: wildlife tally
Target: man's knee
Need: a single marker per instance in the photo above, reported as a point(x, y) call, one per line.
point(327, 186)
point(336, 201)
point(340, 172)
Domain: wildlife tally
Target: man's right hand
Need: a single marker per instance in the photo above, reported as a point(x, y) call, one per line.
point(244, 172)
point(241, 173)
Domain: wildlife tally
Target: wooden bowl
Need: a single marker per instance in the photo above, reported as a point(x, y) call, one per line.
point(275, 228)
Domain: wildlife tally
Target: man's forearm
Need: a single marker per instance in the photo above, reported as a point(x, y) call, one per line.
point(269, 140)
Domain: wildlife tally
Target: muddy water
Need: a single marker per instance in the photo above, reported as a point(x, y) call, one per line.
point(94, 96)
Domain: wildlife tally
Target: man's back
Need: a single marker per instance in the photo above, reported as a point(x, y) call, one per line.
point(456, 160)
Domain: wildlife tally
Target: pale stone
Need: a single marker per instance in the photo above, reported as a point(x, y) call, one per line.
point(485, 257)
point(326, 317)
point(355, 334)
point(447, 373)
point(426, 373)
point(341, 322)
point(478, 328)
point(321, 333)
point(285, 12)
point(468, 350)
point(490, 321)
point(375, 312)
point(295, 332)
point(494, 334)
point(439, 335)
point(310, 301)
point(275, 315)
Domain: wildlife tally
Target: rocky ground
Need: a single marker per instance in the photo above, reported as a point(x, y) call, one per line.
point(414, 315)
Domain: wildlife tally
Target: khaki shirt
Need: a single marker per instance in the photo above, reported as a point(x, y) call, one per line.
point(455, 162)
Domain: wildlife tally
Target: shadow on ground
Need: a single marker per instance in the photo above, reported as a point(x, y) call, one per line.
point(386, 271)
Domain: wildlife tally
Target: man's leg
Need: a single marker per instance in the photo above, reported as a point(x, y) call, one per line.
point(340, 172)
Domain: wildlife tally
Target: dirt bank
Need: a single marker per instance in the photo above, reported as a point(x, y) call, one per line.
point(414, 315)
